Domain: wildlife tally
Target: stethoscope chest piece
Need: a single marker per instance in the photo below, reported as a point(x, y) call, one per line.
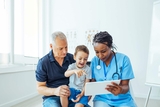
point(98, 67)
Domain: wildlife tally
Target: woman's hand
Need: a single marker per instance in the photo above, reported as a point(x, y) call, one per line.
point(89, 98)
point(114, 88)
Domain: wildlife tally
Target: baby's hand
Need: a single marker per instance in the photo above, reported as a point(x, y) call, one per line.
point(80, 72)
point(78, 97)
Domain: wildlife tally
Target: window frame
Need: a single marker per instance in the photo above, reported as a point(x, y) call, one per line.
point(10, 59)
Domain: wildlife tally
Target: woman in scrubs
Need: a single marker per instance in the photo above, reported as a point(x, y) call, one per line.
point(109, 65)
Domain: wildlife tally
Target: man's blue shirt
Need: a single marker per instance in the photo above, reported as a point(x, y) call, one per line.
point(49, 71)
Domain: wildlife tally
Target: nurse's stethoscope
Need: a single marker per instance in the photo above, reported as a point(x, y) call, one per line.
point(116, 74)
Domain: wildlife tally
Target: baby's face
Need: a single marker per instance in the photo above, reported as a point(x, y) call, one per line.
point(81, 59)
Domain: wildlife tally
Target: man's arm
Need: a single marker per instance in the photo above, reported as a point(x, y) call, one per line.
point(59, 91)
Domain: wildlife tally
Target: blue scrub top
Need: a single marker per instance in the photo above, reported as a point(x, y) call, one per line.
point(105, 73)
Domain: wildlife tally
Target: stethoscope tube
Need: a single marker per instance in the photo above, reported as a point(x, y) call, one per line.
point(114, 74)
point(98, 66)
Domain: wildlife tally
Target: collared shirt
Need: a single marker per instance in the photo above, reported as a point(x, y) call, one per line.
point(125, 72)
point(49, 71)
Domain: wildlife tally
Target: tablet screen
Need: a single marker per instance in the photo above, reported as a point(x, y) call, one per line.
point(97, 88)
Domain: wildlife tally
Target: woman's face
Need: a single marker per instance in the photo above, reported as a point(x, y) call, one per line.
point(102, 51)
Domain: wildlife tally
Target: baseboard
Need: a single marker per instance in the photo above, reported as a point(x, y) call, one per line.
point(16, 101)
point(155, 97)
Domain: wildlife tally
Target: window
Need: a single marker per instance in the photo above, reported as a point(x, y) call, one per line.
point(19, 31)
point(26, 31)
point(4, 35)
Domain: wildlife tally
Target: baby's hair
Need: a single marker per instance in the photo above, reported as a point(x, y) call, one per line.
point(81, 48)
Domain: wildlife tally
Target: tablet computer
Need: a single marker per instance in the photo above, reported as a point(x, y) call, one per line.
point(97, 88)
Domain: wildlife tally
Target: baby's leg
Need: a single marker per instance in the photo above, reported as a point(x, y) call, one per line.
point(79, 105)
point(64, 101)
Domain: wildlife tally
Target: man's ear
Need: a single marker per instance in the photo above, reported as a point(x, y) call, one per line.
point(50, 45)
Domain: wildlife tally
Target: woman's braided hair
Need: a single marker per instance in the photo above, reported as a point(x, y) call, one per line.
point(105, 38)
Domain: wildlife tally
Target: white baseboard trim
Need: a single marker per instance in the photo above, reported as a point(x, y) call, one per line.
point(18, 100)
point(145, 96)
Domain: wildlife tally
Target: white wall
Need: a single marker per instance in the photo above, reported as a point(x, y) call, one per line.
point(128, 21)
point(16, 85)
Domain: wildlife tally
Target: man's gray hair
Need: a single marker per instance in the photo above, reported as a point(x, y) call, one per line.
point(56, 34)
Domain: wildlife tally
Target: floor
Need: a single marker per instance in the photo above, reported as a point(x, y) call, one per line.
point(36, 102)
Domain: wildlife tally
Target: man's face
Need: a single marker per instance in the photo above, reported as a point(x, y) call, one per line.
point(60, 48)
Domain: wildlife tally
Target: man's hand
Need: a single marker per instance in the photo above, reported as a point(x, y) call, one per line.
point(62, 91)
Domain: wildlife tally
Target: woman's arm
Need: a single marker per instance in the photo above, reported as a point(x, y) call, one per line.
point(124, 84)
point(93, 80)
